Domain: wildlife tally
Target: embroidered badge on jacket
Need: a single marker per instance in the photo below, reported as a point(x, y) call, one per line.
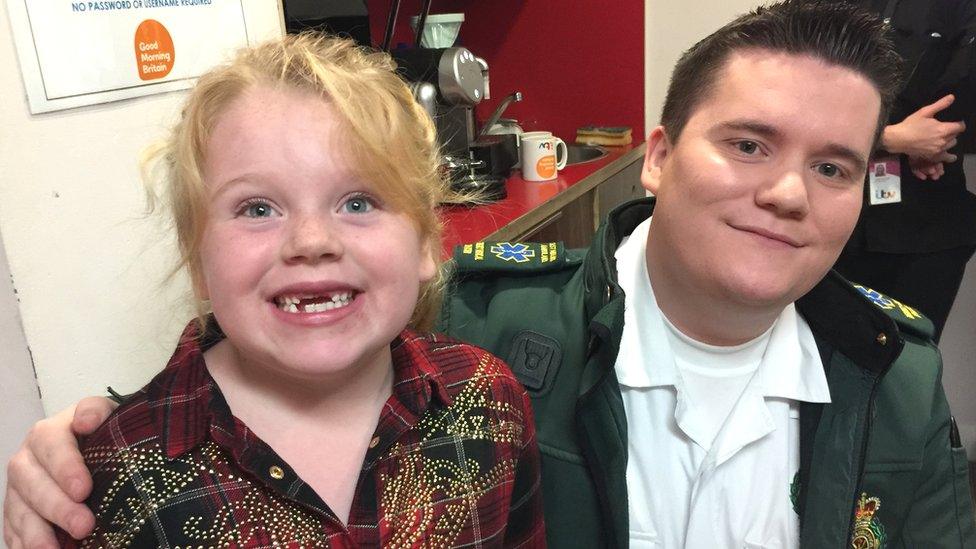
point(869, 533)
point(518, 252)
point(886, 303)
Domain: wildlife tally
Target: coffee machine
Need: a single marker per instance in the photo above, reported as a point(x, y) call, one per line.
point(448, 83)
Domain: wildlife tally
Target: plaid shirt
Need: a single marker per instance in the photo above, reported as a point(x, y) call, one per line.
point(453, 462)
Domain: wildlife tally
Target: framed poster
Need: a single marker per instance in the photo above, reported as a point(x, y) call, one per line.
point(82, 53)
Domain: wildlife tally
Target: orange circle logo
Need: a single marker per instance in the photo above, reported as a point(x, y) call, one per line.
point(155, 54)
point(546, 167)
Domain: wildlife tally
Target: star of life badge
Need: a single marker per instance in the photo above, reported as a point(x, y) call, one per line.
point(884, 180)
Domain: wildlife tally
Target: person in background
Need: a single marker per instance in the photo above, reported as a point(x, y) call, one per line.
point(699, 376)
point(307, 406)
point(917, 229)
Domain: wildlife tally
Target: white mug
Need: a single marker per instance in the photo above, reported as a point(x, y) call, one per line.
point(519, 142)
point(528, 134)
point(540, 156)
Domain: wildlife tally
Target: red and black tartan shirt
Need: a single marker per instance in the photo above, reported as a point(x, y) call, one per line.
point(453, 462)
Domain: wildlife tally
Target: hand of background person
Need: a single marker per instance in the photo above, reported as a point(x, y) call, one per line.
point(47, 479)
point(921, 135)
point(926, 169)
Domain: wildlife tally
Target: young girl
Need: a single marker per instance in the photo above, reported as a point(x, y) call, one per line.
point(304, 410)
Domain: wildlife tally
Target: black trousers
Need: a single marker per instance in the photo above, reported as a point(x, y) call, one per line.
point(927, 281)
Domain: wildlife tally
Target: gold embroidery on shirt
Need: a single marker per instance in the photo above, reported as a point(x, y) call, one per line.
point(162, 483)
point(408, 496)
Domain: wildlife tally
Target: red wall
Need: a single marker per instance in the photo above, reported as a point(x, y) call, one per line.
point(576, 62)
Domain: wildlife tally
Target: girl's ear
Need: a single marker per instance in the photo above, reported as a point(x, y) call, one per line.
point(200, 289)
point(428, 262)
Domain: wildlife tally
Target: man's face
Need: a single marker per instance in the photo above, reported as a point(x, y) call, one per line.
point(763, 188)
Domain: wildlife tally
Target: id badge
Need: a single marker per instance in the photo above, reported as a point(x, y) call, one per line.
point(884, 180)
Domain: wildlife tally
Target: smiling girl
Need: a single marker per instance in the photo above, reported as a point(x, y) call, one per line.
point(306, 407)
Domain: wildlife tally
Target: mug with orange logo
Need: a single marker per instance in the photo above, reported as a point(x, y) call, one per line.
point(541, 156)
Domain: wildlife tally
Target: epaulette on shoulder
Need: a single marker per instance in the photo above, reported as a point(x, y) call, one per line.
point(908, 318)
point(513, 257)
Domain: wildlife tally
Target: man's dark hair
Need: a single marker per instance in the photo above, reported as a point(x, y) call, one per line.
point(835, 32)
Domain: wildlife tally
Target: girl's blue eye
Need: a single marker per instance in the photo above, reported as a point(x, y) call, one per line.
point(258, 209)
point(358, 205)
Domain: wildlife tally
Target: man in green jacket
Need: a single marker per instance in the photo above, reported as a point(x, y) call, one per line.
point(700, 378)
point(703, 380)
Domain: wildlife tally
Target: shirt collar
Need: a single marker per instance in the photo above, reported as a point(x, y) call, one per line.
point(180, 396)
point(647, 360)
point(188, 406)
point(418, 381)
point(791, 367)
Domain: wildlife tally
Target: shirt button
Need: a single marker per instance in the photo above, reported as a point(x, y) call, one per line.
point(882, 339)
point(374, 442)
point(276, 472)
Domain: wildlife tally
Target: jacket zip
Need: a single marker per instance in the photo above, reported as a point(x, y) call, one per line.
point(865, 435)
point(587, 447)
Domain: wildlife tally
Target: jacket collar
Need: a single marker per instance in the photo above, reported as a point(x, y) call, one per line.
point(840, 315)
point(600, 265)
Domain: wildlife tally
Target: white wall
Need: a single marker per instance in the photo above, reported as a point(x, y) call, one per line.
point(672, 27)
point(84, 264)
point(87, 267)
point(20, 402)
point(959, 346)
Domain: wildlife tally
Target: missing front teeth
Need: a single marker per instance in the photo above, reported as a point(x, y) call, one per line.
point(313, 303)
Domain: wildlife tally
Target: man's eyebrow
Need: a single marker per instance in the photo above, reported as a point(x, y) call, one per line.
point(765, 130)
point(835, 149)
point(753, 126)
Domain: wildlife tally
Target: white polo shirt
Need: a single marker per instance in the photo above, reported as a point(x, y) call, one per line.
point(732, 491)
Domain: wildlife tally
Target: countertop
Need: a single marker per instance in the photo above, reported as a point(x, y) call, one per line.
point(529, 203)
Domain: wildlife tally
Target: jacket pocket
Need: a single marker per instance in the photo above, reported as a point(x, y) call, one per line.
point(963, 492)
point(892, 466)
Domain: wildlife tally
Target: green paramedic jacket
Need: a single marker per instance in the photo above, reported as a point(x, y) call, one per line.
point(878, 468)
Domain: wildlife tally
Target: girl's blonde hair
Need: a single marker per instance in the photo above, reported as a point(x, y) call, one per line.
point(390, 139)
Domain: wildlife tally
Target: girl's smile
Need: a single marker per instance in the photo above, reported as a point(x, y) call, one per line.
point(310, 272)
